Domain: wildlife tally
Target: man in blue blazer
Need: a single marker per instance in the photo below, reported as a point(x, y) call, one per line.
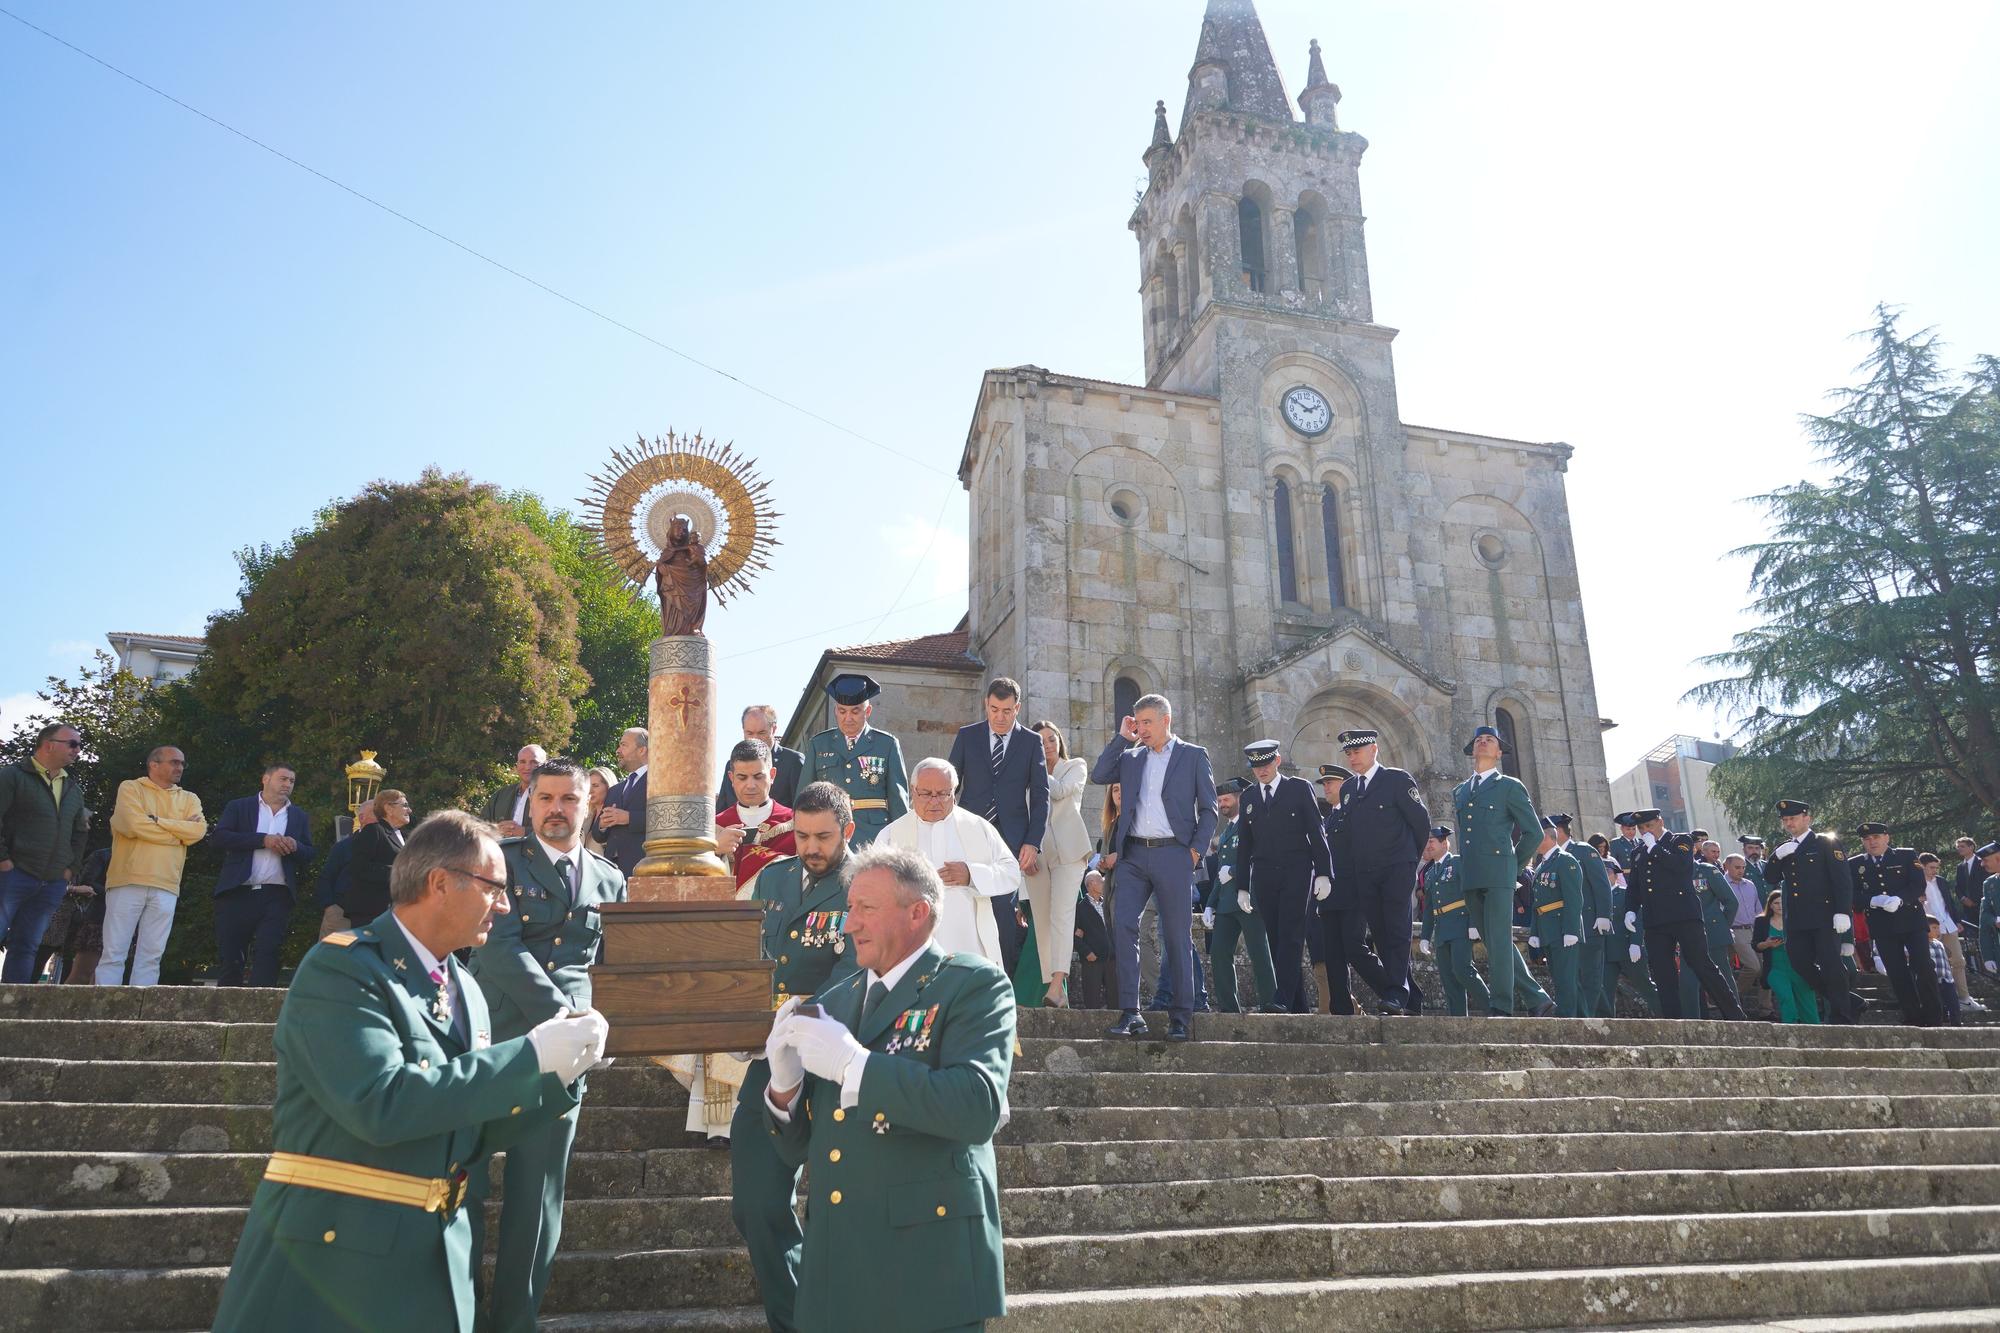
point(266, 841)
point(1003, 776)
point(622, 822)
point(1166, 816)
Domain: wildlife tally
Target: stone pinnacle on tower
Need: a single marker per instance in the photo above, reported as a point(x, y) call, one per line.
point(1320, 98)
point(1163, 139)
point(1233, 69)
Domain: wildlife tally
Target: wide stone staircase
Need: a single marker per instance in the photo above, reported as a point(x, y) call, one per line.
point(1277, 1173)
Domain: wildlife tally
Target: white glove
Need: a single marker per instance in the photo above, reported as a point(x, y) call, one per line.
point(1634, 951)
point(1534, 941)
point(1322, 887)
point(1785, 850)
point(1243, 900)
point(1208, 918)
point(1471, 933)
point(1887, 902)
point(1847, 951)
point(1569, 941)
point(787, 1070)
point(1842, 922)
point(1991, 966)
point(1631, 921)
point(569, 1043)
point(1224, 874)
point(1603, 924)
point(1425, 945)
point(1650, 841)
point(825, 1046)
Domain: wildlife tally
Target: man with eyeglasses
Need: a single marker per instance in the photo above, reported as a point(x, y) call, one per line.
point(153, 824)
point(42, 822)
point(392, 1094)
point(537, 962)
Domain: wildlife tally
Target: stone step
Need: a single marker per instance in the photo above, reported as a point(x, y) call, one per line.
point(1147, 1056)
point(1920, 1321)
point(59, 1299)
point(174, 1235)
point(637, 1083)
point(171, 1127)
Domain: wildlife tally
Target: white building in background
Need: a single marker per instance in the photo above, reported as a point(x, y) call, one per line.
point(158, 658)
point(1674, 777)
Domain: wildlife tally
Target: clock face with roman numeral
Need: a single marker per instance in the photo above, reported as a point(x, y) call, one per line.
point(1306, 410)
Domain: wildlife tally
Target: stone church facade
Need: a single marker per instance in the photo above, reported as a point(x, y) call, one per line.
point(1255, 532)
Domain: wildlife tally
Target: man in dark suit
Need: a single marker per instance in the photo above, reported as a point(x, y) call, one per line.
point(1281, 858)
point(266, 841)
point(1967, 881)
point(760, 723)
point(1093, 969)
point(1003, 776)
point(621, 824)
point(1889, 883)
point(507, 808)
point(1662, 884)
point(1165, 819)
point(1383, 827)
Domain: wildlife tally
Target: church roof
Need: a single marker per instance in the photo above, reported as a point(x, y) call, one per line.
point(949, 650)
point(1233, 37)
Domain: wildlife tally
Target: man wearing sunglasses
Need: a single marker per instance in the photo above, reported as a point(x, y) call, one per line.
point(537, 963)
point(391, 1096)
point(41, 844)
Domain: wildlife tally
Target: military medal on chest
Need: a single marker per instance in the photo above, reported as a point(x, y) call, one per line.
point(441, 1007)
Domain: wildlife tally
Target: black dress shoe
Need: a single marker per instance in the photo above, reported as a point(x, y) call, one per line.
point(1269, 1009)
point(1177, 1031)
point(1128, 1025)
point(1387, 1010)
point(1546, 1011)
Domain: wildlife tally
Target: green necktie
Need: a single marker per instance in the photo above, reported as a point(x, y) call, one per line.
point(876, 994)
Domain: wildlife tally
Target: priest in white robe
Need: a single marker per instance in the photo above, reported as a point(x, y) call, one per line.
point(968, 853)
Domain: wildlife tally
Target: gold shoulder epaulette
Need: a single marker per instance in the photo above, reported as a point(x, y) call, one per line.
point(340, 939)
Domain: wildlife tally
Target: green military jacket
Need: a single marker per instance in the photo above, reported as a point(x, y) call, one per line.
point(1498, 832)
point(1623, 850)
point(1558, 899)
point(372, 1074)
point(1596, 884)
point(1754, 872)
point(1222, 892)
point(1989, 919)
point(537, 958)
point(1718, 907)
point(1446, 916)
point(871, 773)
point(903, 1212)
point(803, 927)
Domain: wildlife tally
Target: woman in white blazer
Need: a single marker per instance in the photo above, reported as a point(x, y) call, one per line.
point(1053, 887)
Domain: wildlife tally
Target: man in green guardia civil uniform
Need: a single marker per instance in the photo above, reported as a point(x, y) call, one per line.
point(1556, 922)
point(1718, 913)
point(1625, 846)
point(1498, 833)
point(894, 1093)
point(865, 763)
point(537, 962)
point(391, 1096)
point(1229, 917)
point(1590, 957)
point(1448, 924)
point(805, 911)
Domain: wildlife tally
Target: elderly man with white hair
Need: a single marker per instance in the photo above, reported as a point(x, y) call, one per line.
point(968, 853)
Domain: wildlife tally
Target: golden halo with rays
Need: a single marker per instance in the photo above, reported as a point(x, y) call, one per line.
point(633, 502)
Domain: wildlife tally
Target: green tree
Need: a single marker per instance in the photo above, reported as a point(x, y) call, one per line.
point(1872, 687)
point(118, 716)
point(614, 629)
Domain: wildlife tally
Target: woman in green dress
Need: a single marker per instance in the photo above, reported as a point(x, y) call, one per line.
point(1796, 1001)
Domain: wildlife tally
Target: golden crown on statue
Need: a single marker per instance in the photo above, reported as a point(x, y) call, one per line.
point(633, 503)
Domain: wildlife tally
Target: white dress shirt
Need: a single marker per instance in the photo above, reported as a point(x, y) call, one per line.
point(1934, 900)
point(1149, 816)
point(266, 866)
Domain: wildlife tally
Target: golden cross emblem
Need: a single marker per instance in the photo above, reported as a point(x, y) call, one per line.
point(686, 702)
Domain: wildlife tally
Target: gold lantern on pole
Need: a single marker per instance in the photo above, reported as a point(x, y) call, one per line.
point(364, 779)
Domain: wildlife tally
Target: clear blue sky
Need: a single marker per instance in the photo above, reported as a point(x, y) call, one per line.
point(1647, 231)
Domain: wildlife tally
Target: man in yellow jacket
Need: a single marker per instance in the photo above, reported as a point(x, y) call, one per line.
point(152, 826)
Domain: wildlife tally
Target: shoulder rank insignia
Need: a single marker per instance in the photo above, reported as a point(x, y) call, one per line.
point(400, 965)
point(340, 939)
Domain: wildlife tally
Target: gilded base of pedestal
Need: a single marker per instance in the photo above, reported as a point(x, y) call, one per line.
point(647, 887)
point(683, 856)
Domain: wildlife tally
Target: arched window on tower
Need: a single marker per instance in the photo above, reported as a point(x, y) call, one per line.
point(1250, 240)
point(1124, 694)
point(1281, 522)
point(1510, 742)
point(1306, 244)
point(1329, 525)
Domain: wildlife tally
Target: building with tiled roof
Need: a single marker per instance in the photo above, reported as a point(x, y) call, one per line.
point(930, 688)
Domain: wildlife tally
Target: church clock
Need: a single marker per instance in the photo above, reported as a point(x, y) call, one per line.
point(1306, 410)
